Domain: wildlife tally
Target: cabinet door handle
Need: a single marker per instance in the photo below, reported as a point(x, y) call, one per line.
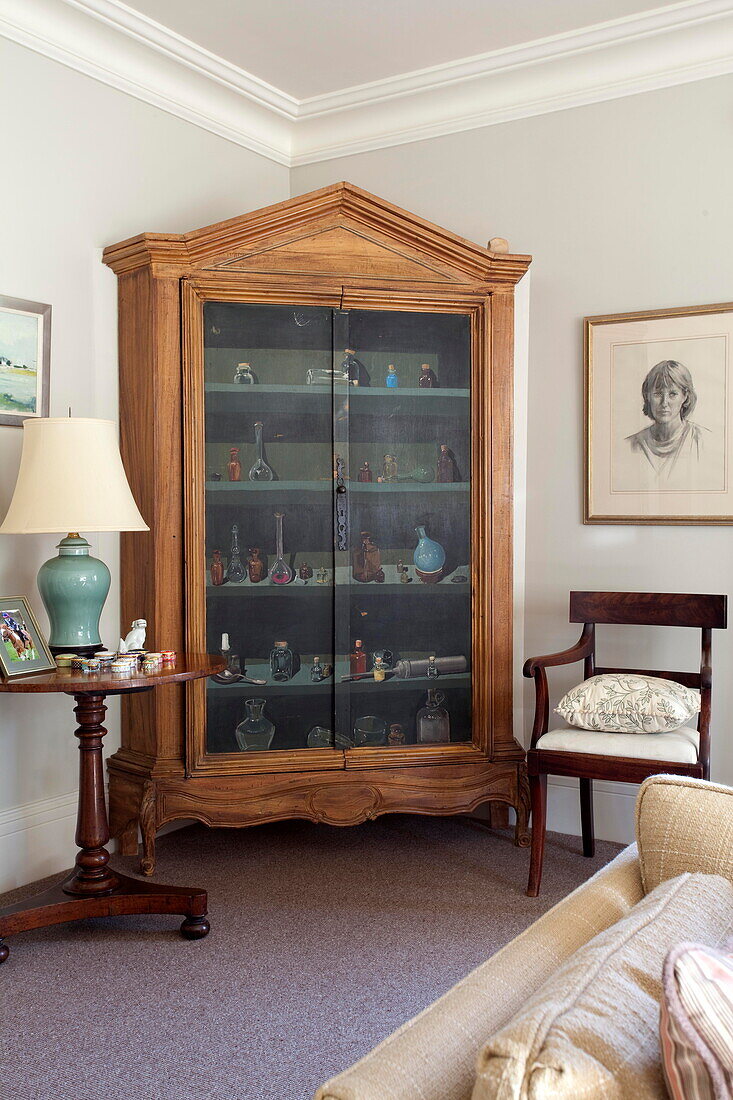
point(342, 508)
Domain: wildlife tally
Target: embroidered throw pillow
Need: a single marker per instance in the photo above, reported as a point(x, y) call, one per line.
point(622, 702)
point(696, 1023)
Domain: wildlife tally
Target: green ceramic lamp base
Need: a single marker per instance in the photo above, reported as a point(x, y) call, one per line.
point(73, 588)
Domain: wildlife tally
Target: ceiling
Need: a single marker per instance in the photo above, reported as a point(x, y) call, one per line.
point(312, 47)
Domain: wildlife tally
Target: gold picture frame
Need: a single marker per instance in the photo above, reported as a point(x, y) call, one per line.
point(23, 648)
point(659, 416)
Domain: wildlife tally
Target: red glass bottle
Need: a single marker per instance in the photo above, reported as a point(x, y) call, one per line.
point(358, 659)
point(217, 569)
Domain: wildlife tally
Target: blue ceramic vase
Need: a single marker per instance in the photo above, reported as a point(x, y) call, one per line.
point(429, 558)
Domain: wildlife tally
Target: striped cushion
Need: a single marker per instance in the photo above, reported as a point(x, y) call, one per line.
point(696, 1023)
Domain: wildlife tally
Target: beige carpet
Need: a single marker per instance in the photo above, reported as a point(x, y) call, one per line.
point(323, 941)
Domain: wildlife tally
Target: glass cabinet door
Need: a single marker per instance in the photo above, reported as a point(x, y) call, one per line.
point(337, 527)
point(268, 517)
point(403, 587)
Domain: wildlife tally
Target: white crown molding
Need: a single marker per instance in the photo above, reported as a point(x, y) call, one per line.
point(218, 98)
point(112, 43)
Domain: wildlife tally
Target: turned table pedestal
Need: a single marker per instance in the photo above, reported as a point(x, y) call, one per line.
point(93, 889)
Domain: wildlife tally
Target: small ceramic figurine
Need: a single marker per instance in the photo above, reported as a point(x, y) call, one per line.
point(135, 638)
point(396, 734)
point(234, 466)
point(427, 379)
point(392, 379)
point(353, 369)
point(305, 572)
point(365, 473)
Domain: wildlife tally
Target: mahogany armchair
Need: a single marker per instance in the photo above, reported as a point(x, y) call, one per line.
point(626, 758)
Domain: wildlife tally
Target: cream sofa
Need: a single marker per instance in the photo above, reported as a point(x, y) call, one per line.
point(681, 825)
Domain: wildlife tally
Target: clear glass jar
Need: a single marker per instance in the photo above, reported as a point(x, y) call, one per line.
point(281, 662)
point(255, 732)
point(433, 720)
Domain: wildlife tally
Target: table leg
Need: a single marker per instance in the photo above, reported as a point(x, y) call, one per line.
point(93, 889)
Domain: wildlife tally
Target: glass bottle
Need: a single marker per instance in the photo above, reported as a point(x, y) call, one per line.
point(365, 473)
point(389, 468)
point(281, 662)
point(446, 465)
point(358, 659)
point(244, 375)
point(217, 569)
point(235, 569)
point(255, 732)
point(255, 565)
point(392, 380)
point(379, 669)
point(429, 558)
point(318, 671)
point(366, 562)
point(280, 573)
point(259, 470)
point(433, 720)
point(427, 379)
point(396, 734)
point(432, 667)
point(234, 466)
point(305, 572)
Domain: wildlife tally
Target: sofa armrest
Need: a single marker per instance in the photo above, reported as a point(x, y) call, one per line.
point(433, 1056)
point(683, 825)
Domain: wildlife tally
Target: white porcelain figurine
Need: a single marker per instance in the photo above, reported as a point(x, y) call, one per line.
point(136, 637)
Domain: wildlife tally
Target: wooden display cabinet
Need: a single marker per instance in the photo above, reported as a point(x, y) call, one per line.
point(321, 295)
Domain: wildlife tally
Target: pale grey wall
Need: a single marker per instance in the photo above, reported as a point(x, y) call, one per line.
point(83, 166)
point(625, 205)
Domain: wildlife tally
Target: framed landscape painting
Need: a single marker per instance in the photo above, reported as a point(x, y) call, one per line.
point(658, 437)
point(25, 346)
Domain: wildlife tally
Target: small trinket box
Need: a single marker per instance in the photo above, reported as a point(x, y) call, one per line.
point(90, 664)
point(64, 660)
point(121, 668)
point(169, 656)
point(151, 665)
point(105, 656)
point(76, 663)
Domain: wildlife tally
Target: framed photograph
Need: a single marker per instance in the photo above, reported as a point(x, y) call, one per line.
point(25, 357)
point(658, 435)
point(23, 649)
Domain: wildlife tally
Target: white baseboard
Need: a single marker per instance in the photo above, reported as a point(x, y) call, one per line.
point(613, 808)
point(36, 840)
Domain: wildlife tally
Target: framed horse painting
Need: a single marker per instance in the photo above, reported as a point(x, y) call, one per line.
point(23, 648)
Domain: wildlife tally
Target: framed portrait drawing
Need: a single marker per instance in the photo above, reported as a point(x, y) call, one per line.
point(23, 649)
point(25, 353)
point(658, 437)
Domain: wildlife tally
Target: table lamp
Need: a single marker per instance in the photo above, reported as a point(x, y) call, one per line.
point(71, 479)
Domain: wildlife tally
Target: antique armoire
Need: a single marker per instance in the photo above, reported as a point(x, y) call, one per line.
point(316, 421)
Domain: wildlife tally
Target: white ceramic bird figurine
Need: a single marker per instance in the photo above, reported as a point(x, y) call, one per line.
point(135, 638)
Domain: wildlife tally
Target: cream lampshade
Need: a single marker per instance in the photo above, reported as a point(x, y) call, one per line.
point(71, 478)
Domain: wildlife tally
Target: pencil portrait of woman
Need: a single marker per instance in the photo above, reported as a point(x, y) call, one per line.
point(672, 442)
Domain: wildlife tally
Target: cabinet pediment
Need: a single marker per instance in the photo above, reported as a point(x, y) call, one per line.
point(339, 230)
point(335, 250)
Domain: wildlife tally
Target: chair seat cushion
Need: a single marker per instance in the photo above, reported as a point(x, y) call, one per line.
point(681, 746)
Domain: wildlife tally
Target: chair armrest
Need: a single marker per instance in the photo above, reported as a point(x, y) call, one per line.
point(535, 668)
point(582, 648)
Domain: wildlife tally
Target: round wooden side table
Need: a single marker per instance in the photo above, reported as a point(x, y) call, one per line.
point(93, 889)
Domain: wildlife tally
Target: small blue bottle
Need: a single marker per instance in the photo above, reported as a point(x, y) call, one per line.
point(391, 380)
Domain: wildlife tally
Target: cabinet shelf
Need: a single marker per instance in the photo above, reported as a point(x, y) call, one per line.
point(372, 400)
point(391, 586)
point(302, 684)
point(327, 487)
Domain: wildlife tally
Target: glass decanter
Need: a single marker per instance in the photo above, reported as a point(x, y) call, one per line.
point(281, 662)
point(280, 573)
point(255, 732)
point(235, 569)
point(260, 471)
point(433, 720)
